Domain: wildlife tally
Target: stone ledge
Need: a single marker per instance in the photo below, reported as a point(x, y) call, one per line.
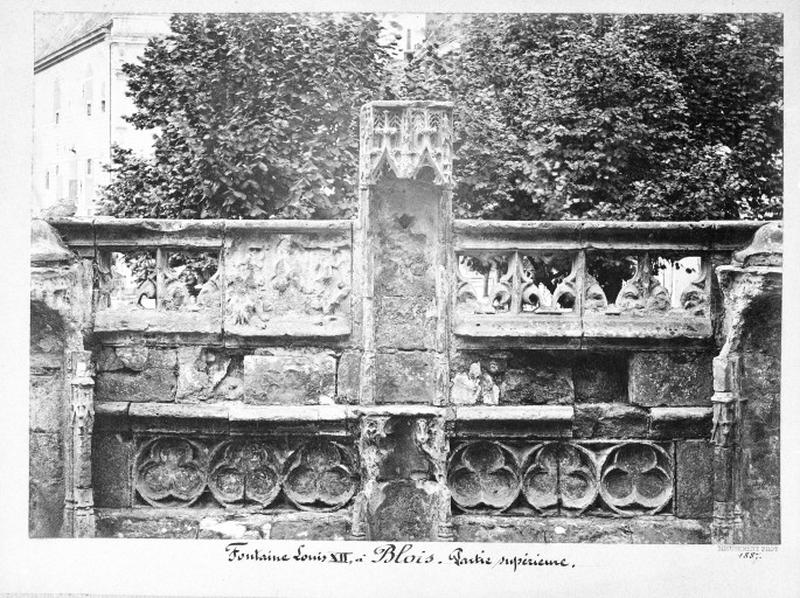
point(704, 235)
point(541, 421)
point(510, 421)
point(680, 422)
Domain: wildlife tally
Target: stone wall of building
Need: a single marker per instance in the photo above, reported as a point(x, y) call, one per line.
point(403, 376)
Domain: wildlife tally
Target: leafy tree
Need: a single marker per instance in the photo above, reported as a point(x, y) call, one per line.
point(557, 116)
point(256, 116)
point(600, 116)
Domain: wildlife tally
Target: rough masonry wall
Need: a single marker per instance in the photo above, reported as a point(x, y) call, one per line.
point(761, 387)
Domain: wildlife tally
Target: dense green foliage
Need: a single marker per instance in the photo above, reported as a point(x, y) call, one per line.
point(592, 116)
point(557, 116)
point(256, 117)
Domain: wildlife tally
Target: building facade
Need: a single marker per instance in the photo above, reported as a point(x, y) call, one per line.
point(80, 102)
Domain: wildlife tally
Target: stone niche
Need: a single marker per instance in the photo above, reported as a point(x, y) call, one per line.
point(404, 244)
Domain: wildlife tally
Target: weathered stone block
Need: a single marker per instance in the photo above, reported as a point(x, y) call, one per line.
point(675, 379)
point(330, 527)
point(601, 378)
point(694, 478)
point(111, 470)
point(609, 420)
point(136, 374)
point(405, 377)
point(48, 397)
point(290, 378)
point(207, 374)
point(474, 386)
point(639, 530)
point(46, 485)
point(405, 511)
point(537, 385)
point(680, 422)
point(128, 524)
point(468, 528)
point(405, 322)
point(348, 377)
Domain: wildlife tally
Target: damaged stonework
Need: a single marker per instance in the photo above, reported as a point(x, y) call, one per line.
point(404, 494)
point(287, 377)
point(61, 300)
point(206, 373)
point(474, 387)
point(292, 279)
point(137, 373)
point(746, 432)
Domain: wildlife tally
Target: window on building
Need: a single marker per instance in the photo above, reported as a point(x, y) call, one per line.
point(56, 98)
point(47, 179)
point(89, 166)
point(88, 109)
point(102, 105)
point(56, 168)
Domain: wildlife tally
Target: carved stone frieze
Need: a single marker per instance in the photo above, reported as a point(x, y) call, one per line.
point(565, 478)
point(275, 282)
point(315, 475)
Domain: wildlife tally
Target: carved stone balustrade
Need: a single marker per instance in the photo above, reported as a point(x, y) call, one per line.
point(589, 284)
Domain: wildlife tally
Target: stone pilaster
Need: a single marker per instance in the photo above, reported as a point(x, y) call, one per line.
point(79, 504)
point(402, 239)
point(753, 278)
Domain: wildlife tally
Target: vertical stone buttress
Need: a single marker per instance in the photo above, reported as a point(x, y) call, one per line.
point(742, 423)
point(404, 230)
point(61, 420)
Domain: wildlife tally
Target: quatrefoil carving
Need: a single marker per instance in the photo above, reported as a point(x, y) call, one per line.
point(636, 478)
point(170, 472)
point(320, 476)
point(242, 471)
point(484, 475)
point(560, 475)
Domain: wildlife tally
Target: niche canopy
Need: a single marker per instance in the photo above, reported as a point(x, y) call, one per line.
point(407, 140)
